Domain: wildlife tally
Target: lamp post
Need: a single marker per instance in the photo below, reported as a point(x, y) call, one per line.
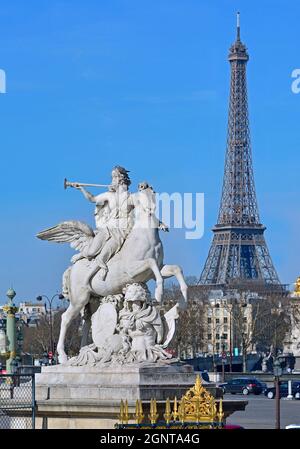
point(214, 329)
point(10, 310)
point(277, 373)
point(230, 310)
point(50, 301)
point(230, 340)
point(223, 358)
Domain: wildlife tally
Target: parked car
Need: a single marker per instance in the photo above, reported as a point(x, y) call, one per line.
point(243, 385)
point(283, 390)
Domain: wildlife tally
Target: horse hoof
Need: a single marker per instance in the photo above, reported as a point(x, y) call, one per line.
point(62, 359)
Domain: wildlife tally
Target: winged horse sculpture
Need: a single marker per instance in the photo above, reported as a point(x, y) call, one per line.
point(140, 259)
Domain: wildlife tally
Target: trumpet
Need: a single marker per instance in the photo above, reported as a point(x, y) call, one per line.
point(77, 184)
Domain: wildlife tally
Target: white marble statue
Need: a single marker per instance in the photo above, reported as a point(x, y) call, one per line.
point(124, 249)
point(128, 329)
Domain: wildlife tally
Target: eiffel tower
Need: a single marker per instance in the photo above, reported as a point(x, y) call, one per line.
point(239, 252)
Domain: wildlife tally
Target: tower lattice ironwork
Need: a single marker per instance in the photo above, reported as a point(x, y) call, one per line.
point(239, 250)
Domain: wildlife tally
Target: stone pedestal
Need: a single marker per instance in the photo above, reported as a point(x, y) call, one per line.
point(113, 383)
point(89, 397)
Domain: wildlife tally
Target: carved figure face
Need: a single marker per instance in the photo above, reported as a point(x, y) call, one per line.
point(115, 178)
point(134, 294)
point(137, 293)
point(120, 176)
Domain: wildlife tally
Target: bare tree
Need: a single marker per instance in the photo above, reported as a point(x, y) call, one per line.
point(261, 324)
point(37, 340)
point(188, 339)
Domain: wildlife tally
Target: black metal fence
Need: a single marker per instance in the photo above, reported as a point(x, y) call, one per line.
point(17, 401)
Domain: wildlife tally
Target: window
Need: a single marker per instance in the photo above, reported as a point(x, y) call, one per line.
point(225, 319)
point(245, 319)
point(217, 320)
point(217, 336)
point(225, 328)
point(209, 336)
point(218, 346)
point(225, 336)
point(209, 320)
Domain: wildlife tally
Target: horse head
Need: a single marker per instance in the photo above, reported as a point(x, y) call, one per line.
point(145, 206)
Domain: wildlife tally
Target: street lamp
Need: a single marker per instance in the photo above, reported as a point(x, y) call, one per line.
point(277, 370)
point(40, 298)
point(223, 357)
point(11, 310)
point(214, 329)
point(64, 303)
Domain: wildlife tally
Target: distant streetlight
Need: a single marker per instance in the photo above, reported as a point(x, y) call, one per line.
point(277, 370)
point(223, 356)
point(40, 298)
point(11, 310)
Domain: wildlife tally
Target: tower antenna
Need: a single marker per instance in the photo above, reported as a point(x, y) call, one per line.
point(238, 28)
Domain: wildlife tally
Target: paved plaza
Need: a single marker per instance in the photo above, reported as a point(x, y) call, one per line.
point(260, 412)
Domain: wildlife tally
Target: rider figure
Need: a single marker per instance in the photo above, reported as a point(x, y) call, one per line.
point(113, 219)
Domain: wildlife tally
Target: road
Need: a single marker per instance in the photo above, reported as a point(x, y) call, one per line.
point(260, 412)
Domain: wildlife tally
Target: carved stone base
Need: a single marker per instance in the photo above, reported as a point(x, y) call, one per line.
point(131, 382)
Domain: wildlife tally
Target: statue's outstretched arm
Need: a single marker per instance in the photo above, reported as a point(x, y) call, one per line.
point(100, 200)
point(86, 194)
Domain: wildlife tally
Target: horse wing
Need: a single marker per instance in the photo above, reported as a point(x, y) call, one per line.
point(77, 233)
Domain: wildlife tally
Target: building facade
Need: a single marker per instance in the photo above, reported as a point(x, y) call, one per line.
point(30, 308)
point(292, 340)
point(229, 323)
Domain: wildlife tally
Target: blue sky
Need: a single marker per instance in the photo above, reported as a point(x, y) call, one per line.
point(142, 84)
